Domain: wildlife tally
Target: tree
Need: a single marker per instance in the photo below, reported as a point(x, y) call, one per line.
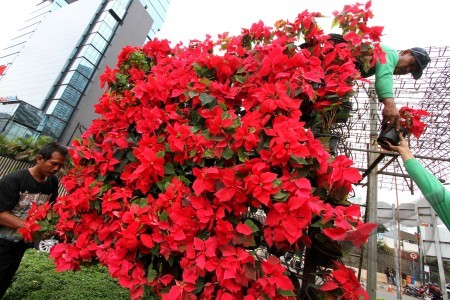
point(194, 143)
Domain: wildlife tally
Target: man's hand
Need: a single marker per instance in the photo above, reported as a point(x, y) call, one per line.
point(402, 148)
point(9, 220)
point(390, 115)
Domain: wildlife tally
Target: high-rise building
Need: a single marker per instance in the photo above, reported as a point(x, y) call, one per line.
point(53, 65)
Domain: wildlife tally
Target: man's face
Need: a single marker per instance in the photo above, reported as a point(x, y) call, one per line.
point(406, 64)
point(52, 165)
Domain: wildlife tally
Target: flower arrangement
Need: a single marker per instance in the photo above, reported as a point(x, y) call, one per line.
point(410, 119)
point(192, 140)
point(410, 123)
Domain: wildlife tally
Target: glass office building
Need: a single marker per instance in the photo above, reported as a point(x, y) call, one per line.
point(56, 69)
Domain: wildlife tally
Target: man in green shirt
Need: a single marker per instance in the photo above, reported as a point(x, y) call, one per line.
point(431, 188)
point(413, 61)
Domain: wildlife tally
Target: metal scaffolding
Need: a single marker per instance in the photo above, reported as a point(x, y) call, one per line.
point(432, 93)
point(384, 170)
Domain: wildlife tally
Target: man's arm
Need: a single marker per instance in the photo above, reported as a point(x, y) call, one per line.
point(9, 197)
point(390, 114)
point(431, 188)
point(384, 88)
point(9, 220)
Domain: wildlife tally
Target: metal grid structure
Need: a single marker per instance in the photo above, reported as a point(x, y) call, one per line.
point(432, 93)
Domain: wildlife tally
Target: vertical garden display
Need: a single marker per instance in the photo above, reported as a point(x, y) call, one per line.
point(204, 154)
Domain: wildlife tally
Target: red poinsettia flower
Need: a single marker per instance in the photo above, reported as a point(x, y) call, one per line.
point(410, 119)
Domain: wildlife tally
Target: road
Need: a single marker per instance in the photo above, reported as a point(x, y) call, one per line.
point(382, 293)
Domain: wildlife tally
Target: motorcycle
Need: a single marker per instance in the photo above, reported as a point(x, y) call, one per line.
point(412, 290)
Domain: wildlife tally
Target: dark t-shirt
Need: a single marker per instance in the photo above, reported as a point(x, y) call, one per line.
point(18, 191)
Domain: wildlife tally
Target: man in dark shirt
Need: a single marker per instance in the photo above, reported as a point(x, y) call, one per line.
point(19, 190)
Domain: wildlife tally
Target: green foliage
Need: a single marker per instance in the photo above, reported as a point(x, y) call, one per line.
point(381, 228)
point(23, 149)
point(26, 149)
point(383, 247)
point(37, 279)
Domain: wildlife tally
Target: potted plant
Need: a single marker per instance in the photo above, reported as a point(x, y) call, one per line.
point(410, 122)
point(324, 250)
point(322, 118)
point(345, 112)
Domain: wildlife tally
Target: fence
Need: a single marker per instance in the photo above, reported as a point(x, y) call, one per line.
point(8, 165)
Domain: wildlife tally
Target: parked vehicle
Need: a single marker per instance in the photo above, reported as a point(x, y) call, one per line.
point(412, 290)
point(45, 245)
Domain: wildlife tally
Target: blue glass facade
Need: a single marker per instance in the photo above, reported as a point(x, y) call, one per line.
point(157, 9)
point(18, 118)
point(61, 92)
point(8, 54)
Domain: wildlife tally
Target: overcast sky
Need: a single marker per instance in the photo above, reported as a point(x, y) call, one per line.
point(408, 23)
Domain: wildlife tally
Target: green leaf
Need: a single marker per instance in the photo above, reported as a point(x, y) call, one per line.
point(192, 94)
point(184, 180)
point(280, 195)
point(227, 153)
point(286, 293)
point(130, 156)
point(164, 216)
point(299, 160)
point(241, 155)
point(169, 169)
point(171, 260)
point(162, 184)
point(118, 154)
point(252, 225)
point(223, 106)
point(151, 274)
point(105, 188)
point(239, 78)
point(209, 153)
point(335, 22)
point(240, 69)
point(199, 285)
point(142, 202)
point(206, 99)
point(155, 250)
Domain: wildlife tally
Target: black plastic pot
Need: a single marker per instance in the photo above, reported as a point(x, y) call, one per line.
point(332, 139)
point(391, 136)
point(324, 250)
point(344, 113)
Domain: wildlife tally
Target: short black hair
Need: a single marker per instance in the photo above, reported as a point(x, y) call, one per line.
point(47, 151)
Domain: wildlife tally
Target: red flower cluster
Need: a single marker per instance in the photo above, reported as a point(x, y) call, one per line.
point(343, 282)
point(32, 227)
point(191, 140)
point(410, 119)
